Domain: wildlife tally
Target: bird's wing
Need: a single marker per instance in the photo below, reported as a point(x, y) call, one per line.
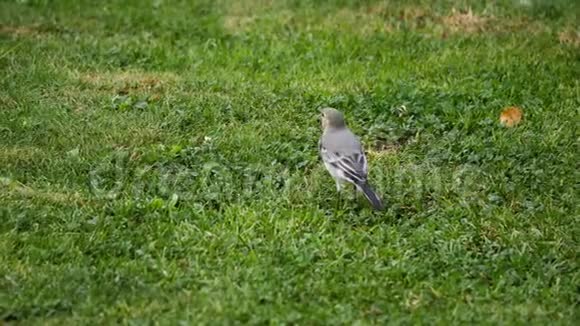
point(353, 166)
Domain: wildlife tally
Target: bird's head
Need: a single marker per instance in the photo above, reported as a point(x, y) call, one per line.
point(332, 118)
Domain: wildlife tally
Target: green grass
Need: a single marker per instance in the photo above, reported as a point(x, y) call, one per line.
point(158, 162)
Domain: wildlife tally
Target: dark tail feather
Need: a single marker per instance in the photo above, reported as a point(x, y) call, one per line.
point(371, 196)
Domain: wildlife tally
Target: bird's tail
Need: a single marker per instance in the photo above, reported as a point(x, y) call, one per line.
point(371, 195)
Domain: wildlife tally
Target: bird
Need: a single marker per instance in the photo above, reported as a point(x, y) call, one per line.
point(343, 155)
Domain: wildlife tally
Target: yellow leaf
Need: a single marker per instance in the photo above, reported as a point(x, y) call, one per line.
point(511, 116)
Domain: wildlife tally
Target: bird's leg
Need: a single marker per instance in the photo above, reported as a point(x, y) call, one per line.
point(338, 192)
point(354, 194)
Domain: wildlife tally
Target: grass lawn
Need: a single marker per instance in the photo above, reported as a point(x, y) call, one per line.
point(158, 162)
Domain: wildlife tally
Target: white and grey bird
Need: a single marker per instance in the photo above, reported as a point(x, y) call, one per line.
point(343, 155)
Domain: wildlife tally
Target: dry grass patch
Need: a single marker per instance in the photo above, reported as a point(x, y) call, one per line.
point(373, 153)
point(126, 81)
point(381, 149)
point(7, 100)
point(385, 18)
point(465, 21)
point(93, 85)
point(362, 22)
point(20, 153)
point(378, 18)
point(11, 189)
point(39, 29)
point(245, 7)
point(332, 86)
point(20, 31)
point(241, 15)
point(408, 13)
point(134, 136)
point(569, 37)
point(238, 24)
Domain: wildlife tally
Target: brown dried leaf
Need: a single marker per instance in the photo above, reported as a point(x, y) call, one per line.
point(511, 116)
